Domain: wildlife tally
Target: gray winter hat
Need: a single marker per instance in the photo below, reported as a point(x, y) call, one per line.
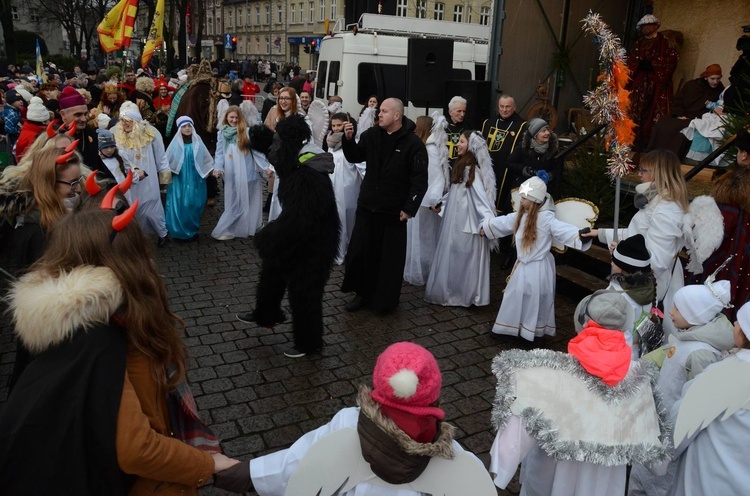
point(535, 125)
point(607, 308)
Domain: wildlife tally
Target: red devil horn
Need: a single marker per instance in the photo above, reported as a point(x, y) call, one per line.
point(71, 129)
point(51, 129)
point(92, 187)
point(127, 182)
point(63, 158)
point(72, 146)
point(109, 199)
point(122, 220)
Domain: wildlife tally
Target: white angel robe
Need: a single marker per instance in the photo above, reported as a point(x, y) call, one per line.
point(346, 179)
point(243, 190)
point(423, 230)
point(460, 272)
point(528, 307)
point(660, 223)
point(114, 167)
point(151, 159)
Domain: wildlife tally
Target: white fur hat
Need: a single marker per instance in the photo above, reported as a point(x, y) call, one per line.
point(698, 304)
point(37, 112)
point(102, 121)
point(533, 189)
point(648, 19)
point(130, 110)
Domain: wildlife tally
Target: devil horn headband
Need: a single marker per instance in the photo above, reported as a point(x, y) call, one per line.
point(92, 187)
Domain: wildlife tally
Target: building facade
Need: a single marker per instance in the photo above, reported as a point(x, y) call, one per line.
point(28, 18)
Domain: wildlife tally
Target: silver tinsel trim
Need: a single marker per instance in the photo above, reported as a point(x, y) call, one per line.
point(540, 427)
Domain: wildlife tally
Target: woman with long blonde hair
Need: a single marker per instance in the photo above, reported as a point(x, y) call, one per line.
point(108, 377)
point(528, 307)
point(240, 167)
point(662, 201)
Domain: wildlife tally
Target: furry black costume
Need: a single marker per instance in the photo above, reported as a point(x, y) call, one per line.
point(299, 247)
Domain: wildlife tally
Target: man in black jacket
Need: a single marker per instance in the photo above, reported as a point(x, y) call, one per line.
point(391, 192)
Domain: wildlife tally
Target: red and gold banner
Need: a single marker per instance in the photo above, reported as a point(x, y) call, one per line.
point(116, 29)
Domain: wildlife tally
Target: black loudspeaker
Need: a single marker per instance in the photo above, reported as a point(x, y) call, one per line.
point(479, 103)
point(429, 65)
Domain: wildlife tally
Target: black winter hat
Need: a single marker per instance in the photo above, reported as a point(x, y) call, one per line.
point(631, 255)
point(742, 141)
point(13, 96)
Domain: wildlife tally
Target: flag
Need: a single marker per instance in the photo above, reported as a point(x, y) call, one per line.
point(39, 63)
point(116, 28)
point(155, 34)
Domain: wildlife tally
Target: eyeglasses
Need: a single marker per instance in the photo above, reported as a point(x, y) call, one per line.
point(72, 184)
point(285, 99)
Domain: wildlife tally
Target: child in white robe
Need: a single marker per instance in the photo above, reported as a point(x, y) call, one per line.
point(528, 307)
point(460, 272)
point(346, 178)
point(240, 167)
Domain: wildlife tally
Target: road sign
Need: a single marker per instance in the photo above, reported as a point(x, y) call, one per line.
point(228, 41)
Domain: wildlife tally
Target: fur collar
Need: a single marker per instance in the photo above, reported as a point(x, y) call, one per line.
point(442, 447)
point(733, 188)
point(48, 310)
point(13, 200)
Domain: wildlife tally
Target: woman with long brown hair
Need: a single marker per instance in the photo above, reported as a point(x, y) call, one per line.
point(109, 373)
point(286, 105)
point(460, 272)
point(528, 307)
point(240, 167)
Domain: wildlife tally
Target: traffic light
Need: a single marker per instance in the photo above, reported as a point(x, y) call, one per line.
point(307, 48)
point(234, 43)
point(313, 44)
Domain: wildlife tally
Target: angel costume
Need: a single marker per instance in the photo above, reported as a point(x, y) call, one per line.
point(660, 222)
point(423, 230)
point(243, 190)
point(190, 162)
point(460, 272)
point(528, 307)
point(712, 429)
point(143, 149)
point(347, 178)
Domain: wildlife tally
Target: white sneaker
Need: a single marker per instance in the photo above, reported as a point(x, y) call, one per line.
point(224, 237)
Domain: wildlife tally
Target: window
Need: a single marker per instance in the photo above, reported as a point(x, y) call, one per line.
point(401, 8)
point(380, 79)
point(301, 12)
point(439, 11)
point(484, 16)
point(257, 44)
point(33, 15)
point(320, 89)
point(229, 20)
point(333, 78)
point(14, 13)
point(333, 9)
point(458, 13)
point(238, 18)
point(421, 9)
point(294, 15)
point(247, 16)
point(257, 15)
point(279, 14)
point(312, 12)
point(268, 45)
point(210, 25)
point(322, 10)
point(268, 14)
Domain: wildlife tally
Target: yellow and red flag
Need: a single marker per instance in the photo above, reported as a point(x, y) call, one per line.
point(155, 34)
point(116, 28)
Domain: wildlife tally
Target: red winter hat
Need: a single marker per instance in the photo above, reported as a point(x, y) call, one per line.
point(602, 353)
point(407, 378)
point(69, 97)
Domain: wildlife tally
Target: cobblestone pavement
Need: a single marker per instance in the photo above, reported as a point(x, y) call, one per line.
point(259, 401)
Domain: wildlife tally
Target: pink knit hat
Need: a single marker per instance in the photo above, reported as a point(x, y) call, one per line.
point(69, 97)
point(407, 378)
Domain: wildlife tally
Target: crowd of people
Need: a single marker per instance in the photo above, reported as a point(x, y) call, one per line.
point(100, 372)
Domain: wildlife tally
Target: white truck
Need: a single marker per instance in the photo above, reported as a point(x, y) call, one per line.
point(371, 58)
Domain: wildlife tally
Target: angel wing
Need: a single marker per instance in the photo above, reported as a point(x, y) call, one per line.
point(703, 402)
point(366, 120)
point(334, 465)
point(703, 230)
point(320, 119)
point(221, 110)
point(478, 146)
point(250, 113)
point(438, 135)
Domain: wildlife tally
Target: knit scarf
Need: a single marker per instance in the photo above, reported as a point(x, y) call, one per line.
point(334, 141)
point(185, 421)
point(603, 353)
point(540, 148)
point(230, 134)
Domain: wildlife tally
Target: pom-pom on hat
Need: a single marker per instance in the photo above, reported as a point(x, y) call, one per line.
point(631, 255)
point(181, 121)
point(37, 112)
point(533, 189)
point(535, 125)
point(102, 121)
point(711, 70)
point(699, 305)
point(106, 138)
point(69, 97)
point(407, 378)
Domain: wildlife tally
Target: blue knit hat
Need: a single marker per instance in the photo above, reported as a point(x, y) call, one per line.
point(106, 138)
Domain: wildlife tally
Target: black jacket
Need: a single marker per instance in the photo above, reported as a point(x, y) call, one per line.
point(526, 162)
point(395, 180)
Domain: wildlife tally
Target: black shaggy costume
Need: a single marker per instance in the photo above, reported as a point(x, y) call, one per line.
point(299, 247)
